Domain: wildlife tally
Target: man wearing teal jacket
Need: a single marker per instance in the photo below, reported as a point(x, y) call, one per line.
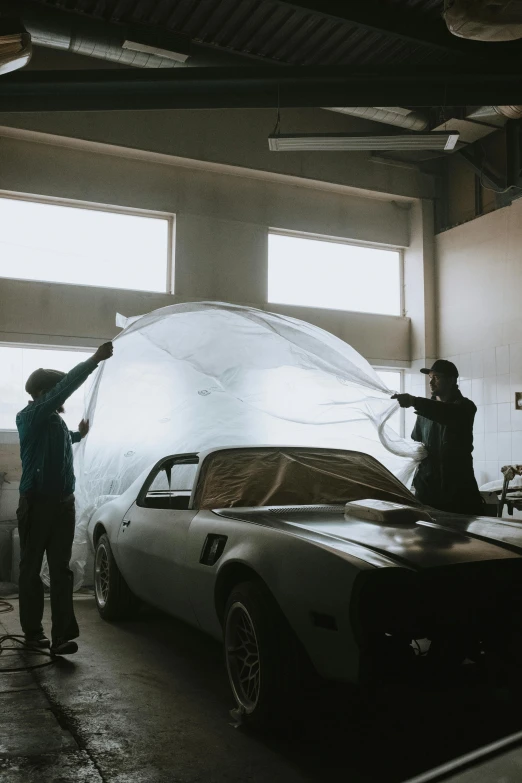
point(46, 514)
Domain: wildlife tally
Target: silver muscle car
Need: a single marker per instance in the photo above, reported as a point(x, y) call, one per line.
point(307, 560)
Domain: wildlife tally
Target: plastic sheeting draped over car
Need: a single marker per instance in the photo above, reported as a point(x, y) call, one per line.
point(201, 375)
point(283, 477)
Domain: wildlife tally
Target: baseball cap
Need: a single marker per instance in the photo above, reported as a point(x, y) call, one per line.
point(43, 380)
point(443, 367)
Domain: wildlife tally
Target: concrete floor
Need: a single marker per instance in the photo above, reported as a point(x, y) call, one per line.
point(147, 702)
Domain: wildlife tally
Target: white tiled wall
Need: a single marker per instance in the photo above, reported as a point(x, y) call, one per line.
point(479, 327)
point(490, 377)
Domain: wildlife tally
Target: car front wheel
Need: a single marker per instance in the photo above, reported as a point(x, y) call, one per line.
point(113, 598)
point(263, 659)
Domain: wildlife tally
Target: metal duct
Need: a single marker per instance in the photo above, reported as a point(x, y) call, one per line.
point(80, 36)
point(15, 46)
point(484, 20)
point(394, 115)
point(495, 114)
point(92, 38)
point(511, 112)
point(105, 49)
point(487, 115)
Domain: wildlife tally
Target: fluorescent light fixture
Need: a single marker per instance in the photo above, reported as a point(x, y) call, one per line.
point(167, 53)
point(358, 142)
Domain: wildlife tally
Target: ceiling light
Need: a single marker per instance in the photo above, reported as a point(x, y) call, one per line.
point(167, 53)
point(295, 142)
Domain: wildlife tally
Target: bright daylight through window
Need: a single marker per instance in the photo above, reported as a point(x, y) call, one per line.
point(16, 364)
point(54, 243)
point(333, 275)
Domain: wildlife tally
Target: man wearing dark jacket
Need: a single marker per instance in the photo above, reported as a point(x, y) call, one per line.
point(46, 517)
point(445, 478)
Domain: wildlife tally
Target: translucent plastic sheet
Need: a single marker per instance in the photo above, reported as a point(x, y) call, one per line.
point(200, 375)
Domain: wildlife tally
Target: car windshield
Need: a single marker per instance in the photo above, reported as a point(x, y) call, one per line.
point(294, 476)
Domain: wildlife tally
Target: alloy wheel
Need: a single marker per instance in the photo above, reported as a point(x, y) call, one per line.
point(242, 657)
point(101, 575)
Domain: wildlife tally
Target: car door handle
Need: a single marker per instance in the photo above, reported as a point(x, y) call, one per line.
point(126, 523)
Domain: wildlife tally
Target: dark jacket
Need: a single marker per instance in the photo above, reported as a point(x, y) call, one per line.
point(445, 478)
point(45, 441)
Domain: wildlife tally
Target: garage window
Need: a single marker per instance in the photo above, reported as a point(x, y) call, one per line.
point(83, 244)
point(18, 362)
point(335, 275)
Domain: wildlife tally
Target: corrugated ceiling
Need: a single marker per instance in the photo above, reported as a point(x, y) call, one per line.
point(271, 30)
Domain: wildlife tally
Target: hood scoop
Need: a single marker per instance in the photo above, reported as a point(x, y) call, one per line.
point(386, 512)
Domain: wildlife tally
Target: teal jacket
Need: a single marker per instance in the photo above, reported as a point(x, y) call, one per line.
point(45, 441)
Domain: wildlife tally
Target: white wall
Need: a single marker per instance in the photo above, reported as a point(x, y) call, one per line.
point(238, 137)
point(480, 328)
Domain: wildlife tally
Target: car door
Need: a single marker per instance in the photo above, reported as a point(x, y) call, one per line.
point(152, 537)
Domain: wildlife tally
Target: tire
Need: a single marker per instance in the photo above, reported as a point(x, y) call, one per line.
point(113, 598)
point(266, 667)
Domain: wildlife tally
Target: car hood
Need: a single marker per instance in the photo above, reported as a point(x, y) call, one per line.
point(446, 540)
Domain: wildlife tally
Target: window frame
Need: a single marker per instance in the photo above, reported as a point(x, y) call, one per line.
point(352, 243)
point(41, 347)
point(190, 458)
point(95, 206)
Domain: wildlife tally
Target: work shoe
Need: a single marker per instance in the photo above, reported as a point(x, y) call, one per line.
point(63, 647)
point(38, 641)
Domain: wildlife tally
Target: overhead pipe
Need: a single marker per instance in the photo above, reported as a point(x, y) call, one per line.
point(66, 31)
point(107, 48)
point(394, 115)
point(497, 115)
point(511, 112)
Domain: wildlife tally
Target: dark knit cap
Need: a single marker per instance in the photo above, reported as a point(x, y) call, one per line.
point(43, 381)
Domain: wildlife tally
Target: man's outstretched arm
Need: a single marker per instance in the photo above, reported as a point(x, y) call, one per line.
point(49, 402)
point(435, 410)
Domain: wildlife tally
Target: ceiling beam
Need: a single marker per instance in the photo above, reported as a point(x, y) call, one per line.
point(254, 87)
point(403, 24)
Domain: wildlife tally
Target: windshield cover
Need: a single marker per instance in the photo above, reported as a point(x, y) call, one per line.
point(294, 476)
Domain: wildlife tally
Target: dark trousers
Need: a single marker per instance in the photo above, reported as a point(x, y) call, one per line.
point(46, 525)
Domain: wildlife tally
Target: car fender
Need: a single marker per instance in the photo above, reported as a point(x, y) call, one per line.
point(293, 569)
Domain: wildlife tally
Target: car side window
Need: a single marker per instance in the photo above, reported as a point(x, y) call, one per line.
point(170, 485)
